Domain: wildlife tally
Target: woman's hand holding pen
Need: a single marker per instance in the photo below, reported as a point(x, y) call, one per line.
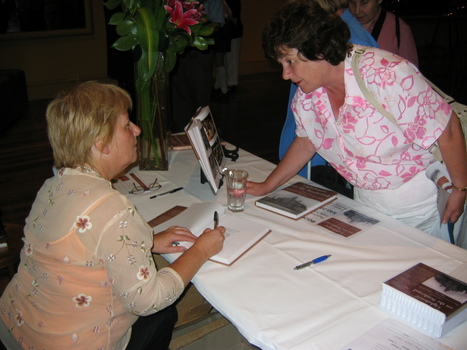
point(210, 242)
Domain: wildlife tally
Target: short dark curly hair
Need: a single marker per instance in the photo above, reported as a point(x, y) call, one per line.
point(316, 34)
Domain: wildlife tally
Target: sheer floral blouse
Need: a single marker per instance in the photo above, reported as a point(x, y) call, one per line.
point(86, 269)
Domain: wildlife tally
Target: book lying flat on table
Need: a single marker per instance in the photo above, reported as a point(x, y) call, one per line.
point(206, 143)
point(296, 200)
point(240, 235)
point(427, 298)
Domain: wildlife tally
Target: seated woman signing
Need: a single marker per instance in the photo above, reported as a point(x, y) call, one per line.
point(87, 278)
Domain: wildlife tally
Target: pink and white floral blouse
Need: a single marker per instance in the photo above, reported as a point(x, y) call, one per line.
point(86, 268)
point(365, 147)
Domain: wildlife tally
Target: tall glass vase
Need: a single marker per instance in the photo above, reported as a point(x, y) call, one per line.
point(153, 111)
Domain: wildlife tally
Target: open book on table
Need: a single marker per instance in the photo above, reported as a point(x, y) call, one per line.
point(297, 200)
point(206, 143)
point(241, 234)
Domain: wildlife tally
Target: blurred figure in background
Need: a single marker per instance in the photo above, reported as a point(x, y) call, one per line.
point(392, 33)
point(232, 57)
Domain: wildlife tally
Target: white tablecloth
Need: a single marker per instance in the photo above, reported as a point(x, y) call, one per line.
point(322, 307)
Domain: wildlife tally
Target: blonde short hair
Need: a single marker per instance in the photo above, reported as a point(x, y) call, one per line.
point(330, 6)
point(82, 115)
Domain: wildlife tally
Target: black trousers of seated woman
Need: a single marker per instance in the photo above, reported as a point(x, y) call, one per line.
point(153, 332)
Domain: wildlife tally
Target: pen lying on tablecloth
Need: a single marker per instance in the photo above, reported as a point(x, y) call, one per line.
point(171, 191)
point(314, 261)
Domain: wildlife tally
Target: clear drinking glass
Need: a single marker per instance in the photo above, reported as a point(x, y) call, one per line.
point(236, 188)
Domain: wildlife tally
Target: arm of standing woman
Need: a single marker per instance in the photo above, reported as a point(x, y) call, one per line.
point(452, 146)
point(299, 153)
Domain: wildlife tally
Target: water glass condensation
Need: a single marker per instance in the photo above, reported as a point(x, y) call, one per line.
point(236, 188)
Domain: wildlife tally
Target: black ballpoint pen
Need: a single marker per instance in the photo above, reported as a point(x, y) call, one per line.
point(216, 220)
point(314, 261)
point(171, 191)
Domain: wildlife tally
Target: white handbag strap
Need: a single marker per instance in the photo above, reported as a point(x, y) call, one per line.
point(370, 97)
point(366, 92)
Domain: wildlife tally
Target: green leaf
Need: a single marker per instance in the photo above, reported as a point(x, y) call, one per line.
point(125, 27)
point(147, 34)
point(112, 4)
point(170, 60)
point(117, 18)
point(202, 43)
point(180, 43)
point(202, 30)
point(125, 43)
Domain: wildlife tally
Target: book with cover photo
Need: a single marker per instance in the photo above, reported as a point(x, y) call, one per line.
point(297, 200)
point(206, 144)
point(427, 298)
point(240, 236)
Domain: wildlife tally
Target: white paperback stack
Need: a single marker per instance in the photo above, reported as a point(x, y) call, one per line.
point(427, 298)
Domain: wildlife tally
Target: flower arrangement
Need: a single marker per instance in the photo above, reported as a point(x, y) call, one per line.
point(156, 31)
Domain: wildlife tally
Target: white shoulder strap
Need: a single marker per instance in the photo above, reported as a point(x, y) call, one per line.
point(366, 92)
point(370, 97)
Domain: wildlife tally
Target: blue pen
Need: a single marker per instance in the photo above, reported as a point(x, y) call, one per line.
point(314, 261)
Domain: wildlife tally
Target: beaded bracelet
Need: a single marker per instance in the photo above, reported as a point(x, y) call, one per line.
point(460, 189)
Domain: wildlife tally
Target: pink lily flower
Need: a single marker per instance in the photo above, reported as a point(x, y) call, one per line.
point(180, 19)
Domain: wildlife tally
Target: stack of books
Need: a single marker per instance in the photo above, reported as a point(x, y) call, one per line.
point(429, 299)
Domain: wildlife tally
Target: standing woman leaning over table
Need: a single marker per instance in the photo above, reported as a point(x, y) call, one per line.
point(385, 162)
point(87, 279)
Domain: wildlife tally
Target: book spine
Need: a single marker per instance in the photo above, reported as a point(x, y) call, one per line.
point(412, 304)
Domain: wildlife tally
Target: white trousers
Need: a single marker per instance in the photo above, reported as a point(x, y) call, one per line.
point(414, 203)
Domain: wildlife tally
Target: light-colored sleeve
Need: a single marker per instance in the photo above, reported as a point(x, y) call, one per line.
point(124, 248)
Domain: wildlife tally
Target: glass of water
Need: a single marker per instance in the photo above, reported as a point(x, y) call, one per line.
point(236, 188)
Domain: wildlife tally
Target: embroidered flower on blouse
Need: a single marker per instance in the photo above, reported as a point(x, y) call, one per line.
point(85, 194)
point(143, 273)
point(19, 318)
point(66, 259)
point(131, 260)
point(123, 224)
point(29, 250)
point(83, 223)
point(82, 300)
point(60, 280)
